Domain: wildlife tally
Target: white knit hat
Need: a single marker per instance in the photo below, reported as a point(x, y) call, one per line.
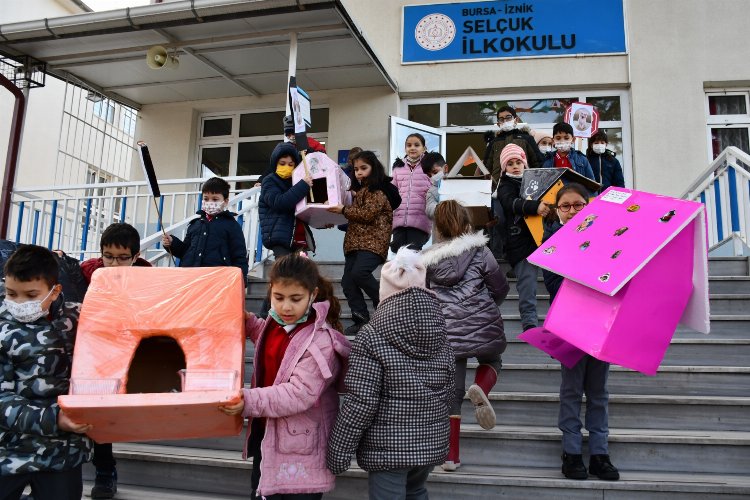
point(404, 271)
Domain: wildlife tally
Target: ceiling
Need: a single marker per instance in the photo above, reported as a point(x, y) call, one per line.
point(225, 49)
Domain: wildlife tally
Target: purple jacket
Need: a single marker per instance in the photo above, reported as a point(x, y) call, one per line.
point(470, 287)
point(300, 407)
point(412, 185)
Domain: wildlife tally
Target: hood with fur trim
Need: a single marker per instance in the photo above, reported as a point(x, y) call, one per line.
point(458, 252)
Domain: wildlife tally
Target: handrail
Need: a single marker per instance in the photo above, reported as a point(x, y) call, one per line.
point(165, 182)
point(719, 164)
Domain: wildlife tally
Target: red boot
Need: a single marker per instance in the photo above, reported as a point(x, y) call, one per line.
point(484, 381)
point(452, 462)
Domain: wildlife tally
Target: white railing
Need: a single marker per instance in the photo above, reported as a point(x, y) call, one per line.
point(72, 218)
point(724, 188)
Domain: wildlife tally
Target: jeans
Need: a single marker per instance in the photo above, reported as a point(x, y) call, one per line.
point(358, 268)
point(527, 274)
point(494, 361)
point(278, 252)
point(415, 238)
point(588, 376)
point(57, 485)
point(399, 484)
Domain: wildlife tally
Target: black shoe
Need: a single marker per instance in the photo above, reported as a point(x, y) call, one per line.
point(573, 467)
point(528, 327)
point(359, 322)
point(601, 467)
point(105, 485)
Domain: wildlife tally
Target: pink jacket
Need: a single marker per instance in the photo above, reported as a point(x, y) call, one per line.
point(300, 407)
point(412, 185)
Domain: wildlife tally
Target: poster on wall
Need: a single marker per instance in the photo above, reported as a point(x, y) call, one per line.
point(501, 29)
point(399, 130)
point(583, 117)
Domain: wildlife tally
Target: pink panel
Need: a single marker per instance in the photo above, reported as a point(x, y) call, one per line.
point(548, 342)
point(321, 166)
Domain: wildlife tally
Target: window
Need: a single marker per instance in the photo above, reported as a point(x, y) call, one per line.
point(127, 120)
point(105, 110)
point(728, 121)
point(240, 144)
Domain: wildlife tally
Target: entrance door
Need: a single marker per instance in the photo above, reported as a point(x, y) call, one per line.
point(400, 129)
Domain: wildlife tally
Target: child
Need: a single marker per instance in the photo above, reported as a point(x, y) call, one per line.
point(39, 445)
point(299, 356)
point(519, 241)
point(567, 156)
point(607, 170)
point(588, 377)
point(470, 288)
point(544, 142)
point(215, 238)
point(370, 218)
point(120, 246)
point(399, 387)
point(411, 227)
point(433, 164)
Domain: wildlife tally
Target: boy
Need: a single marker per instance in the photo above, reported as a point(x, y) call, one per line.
point(399, 387)
point(510, 133)
point(566, 156)
point(519, 241)
point(39, 445)
point(433, 164)
point(120, 245)
point(214, 239)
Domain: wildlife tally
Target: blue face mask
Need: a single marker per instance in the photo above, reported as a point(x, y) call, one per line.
point(302, 319)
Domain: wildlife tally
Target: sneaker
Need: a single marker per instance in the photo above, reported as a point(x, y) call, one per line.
point(483, 410)
point(528, 327)
point(573, 467)
point(353, 330)
point(601, 467)
point(450, 466)
point(105, 485)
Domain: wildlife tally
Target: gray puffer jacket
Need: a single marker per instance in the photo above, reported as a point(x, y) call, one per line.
point(470, 287)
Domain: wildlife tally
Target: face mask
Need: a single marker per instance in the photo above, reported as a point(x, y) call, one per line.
point(546, 149)
point(599, 148)
point(213, 207)
point(437, 177)
point(514, 176)
point(284, 171)
point(563, 146)
point(272, 312)
point(27, 312)
point(507, 126)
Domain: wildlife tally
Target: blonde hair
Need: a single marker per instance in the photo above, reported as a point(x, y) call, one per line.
point(452, 219)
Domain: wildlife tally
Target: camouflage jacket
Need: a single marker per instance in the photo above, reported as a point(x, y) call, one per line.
point(35, 363)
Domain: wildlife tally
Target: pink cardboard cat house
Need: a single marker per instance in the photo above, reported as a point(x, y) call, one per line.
point(330, 188)
point(157, 351)
point(635, 266)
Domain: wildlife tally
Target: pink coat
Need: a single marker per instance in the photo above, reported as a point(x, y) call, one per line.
point(412, 185)
point(300, 407)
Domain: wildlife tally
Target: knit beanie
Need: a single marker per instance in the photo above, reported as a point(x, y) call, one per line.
point(404, 271)
point(510, 152)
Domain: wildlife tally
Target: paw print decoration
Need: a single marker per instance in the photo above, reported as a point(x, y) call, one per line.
point(532, 188)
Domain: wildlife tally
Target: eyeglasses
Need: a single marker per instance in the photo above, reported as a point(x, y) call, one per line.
point(120, 258)
point(503, 119)
point(565, 207)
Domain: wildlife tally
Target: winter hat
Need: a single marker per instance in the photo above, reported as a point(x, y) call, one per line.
point(404, 271)
point(510, 152)
point(538, 135)
point(284, 149)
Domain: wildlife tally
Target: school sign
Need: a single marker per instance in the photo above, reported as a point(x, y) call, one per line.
point(504, 29)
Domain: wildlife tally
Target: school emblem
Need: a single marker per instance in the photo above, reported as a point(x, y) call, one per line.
point(435, 32)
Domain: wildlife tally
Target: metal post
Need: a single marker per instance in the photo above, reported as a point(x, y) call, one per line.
point(14, 148)
point(292, 68)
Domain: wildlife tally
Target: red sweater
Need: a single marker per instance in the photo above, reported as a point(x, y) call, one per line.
point(275, 343)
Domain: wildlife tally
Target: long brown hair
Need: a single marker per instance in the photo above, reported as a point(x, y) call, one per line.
point(299, 269)
point(452, 219)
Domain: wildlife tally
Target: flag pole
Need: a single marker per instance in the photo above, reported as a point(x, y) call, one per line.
point(150, 173)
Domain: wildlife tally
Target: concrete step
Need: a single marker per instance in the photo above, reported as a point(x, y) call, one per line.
point(133, 492)
point(625, 411)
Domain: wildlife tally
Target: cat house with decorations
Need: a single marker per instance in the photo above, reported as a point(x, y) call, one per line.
point(330, 188)
point(157, 351)
point(635, 265)
point(472, 191)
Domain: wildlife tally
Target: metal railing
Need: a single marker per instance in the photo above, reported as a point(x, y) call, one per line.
point(724, 189)
point(72, 218)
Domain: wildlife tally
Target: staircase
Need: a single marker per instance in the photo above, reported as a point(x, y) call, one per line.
point(684, 433)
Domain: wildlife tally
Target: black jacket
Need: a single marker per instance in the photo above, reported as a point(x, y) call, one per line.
point(519, 242)
point(219, 242)
point(552, 281)
point(607, 170)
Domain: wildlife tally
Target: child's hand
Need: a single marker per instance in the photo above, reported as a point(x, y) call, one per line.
point(543, 209)
point(336, 209)
point(308, 180)
point(248, 315)
point(233, 408)
point(166, 240)
point(64, 423)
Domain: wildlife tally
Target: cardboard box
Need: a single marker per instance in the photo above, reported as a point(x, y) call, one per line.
point(330, 188)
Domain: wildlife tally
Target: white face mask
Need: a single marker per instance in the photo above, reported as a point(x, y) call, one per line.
point(599, 148)
point(27, 312)
point(507, 126)
point(437, 177)
point(514, 176)
point(563, 146)
point(546, 149)
point(213, 207)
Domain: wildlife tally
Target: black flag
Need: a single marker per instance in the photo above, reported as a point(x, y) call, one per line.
point(148, 169)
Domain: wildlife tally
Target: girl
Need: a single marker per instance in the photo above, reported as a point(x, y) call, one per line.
point(299, 356)
point(411, 226)
point(370, 217)
point(470, 287)
point(589, 376)
point(607, 170)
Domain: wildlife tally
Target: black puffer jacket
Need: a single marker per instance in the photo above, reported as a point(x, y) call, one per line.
point(519, 243)
point(606, 168)
point(470, 287)
point(399, 388)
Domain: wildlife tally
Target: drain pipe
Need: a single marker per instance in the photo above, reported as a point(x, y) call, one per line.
point(11, 160)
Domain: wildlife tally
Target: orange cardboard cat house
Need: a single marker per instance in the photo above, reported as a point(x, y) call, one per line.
point(157, 351)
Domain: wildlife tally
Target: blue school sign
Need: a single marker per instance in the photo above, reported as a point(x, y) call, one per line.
point(503, 29)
